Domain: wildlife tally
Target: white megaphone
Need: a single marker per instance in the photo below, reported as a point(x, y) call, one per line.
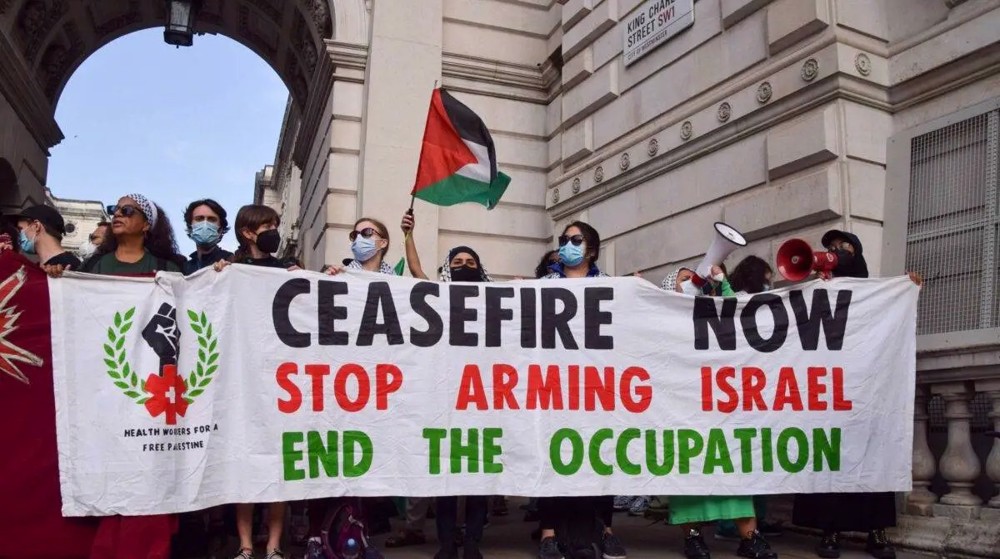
point(726, 241)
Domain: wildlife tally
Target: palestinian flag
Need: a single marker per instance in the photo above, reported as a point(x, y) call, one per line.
point(458, 162)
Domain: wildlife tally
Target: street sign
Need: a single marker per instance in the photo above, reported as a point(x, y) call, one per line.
point(654, 24)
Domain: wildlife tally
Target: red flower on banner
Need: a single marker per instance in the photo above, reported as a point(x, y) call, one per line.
point(167, 394)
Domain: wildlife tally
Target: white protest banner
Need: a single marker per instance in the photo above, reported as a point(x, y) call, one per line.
point(290, 386)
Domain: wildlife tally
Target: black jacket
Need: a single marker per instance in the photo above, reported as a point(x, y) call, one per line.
point(197, 261)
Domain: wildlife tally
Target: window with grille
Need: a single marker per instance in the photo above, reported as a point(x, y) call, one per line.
point(952, 225)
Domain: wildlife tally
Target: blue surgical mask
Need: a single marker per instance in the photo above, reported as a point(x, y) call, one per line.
point(571, 255)
point(27, 245)
point(363, 249)
point(205, 233)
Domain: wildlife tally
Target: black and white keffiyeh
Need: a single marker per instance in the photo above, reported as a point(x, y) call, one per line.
point(148, 208)
point(383, 268)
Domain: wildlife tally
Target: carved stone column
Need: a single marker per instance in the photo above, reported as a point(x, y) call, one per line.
point(924, 466)
point(993, 460)
point(959, 464)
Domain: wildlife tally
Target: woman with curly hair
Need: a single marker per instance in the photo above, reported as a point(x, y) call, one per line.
point(141, 241)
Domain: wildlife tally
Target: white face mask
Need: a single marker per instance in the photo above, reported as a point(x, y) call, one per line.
point(87, 250)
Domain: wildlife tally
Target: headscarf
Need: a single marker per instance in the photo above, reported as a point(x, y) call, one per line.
point(445, 274)
point(669, 283)
point(148, 208)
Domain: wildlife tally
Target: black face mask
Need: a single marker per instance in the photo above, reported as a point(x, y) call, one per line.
point(464, 273)
point(268, 241)
point(845, 263)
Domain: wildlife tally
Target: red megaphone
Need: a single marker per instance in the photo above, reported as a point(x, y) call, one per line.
point(796, 260)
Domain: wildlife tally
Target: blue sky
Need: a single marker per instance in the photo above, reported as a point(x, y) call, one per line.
point(173, 124)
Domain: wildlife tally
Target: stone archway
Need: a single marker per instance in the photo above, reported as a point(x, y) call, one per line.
point(42, 42)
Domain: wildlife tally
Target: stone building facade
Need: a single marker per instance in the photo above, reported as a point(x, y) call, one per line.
point(782, 118)
point(81, 217)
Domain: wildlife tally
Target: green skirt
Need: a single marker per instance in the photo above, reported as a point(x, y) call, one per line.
point(692, 510)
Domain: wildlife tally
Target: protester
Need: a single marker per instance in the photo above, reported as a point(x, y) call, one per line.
point(206, 225)
point(680, 280)
point(834, 513)
point(752, 275)
point(691, 512)
point(40, 232)
point(548, 259)
point(96, 238)
point(141, 243)
point(579, 250)
point(258, 238)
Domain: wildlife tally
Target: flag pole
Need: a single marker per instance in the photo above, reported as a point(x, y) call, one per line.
point(413, 197)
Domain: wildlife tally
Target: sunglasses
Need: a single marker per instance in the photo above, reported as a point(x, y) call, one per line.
point(367, 233)
point(577, 240)
point(126, 211)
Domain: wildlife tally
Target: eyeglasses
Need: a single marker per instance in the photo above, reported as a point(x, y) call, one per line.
point(577, 240)
point(126, 211)
point(367, 233)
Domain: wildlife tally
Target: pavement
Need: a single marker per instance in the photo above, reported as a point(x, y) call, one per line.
point(508, 537)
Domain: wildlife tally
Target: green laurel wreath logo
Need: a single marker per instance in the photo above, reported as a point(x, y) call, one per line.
point(125, 377)
point(119, 369)
point(208, 356)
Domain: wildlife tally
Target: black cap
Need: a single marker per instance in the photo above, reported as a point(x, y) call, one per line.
point(832, 234)
point(46, 215)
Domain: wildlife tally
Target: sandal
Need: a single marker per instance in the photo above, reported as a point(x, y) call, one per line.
point(245, 553)
point(275, 554)
point(406, 538)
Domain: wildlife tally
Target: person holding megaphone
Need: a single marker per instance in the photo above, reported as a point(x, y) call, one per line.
point(834, 513)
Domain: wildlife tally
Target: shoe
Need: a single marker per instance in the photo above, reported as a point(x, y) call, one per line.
point(245, 553)
point(755, 547)
point(639, 506)
point(314, 549)
point(549, 549)
point(612, 548)
point(471, 552)
point(695, 546)
point(829, 546)
point(770, 529)
point(275, 554)
point(500, 506)
point(878, 545)
point(623, 502)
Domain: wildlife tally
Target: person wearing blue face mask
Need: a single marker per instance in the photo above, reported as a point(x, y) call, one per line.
point(206, 225)
point(579, 248)
point(369, 243)
point(40, 233)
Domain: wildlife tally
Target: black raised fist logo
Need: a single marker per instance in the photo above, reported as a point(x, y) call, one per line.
point(161, 334)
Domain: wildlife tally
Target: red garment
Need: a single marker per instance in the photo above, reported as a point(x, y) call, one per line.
point(31, 521)
point(134, 537)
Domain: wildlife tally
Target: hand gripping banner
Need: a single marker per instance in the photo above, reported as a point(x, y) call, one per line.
point(257, 385)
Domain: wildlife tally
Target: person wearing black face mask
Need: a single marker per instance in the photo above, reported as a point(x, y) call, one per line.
point(834, 513)
point(258, 237)
point(462, 264)
point(850, 254)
